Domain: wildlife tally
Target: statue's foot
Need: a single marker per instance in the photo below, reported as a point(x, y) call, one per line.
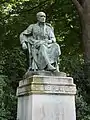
point(50, 68)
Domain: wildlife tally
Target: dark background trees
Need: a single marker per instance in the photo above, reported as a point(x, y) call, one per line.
point(71, 33)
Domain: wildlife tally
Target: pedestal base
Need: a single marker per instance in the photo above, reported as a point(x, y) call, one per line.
point(46, 98)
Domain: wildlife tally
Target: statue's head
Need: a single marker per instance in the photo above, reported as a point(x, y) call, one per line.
point(41, 17)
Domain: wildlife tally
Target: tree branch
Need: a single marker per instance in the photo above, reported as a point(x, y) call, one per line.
point(34, 7)
point(78, 6)
point(28, 10)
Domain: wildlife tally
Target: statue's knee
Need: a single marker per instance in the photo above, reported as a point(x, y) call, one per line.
point(42, 47)
point(55, 44)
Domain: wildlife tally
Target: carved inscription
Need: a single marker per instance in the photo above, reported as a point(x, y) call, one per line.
point(54, 88)
point(48, 89)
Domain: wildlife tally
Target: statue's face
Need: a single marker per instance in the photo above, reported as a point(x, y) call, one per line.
point(41, 17)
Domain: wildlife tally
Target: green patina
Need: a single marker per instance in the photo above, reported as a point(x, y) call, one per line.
point(35, 85)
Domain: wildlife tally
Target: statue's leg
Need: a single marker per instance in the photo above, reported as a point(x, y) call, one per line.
point(34, 59)
point(29, 57)
point(43, 51)
point(57, 66)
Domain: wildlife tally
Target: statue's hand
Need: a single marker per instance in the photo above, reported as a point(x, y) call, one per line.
point(39, 43)
point(24, 46)
point(49, 41)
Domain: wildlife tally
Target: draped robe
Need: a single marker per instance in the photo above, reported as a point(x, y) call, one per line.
point(41, 52)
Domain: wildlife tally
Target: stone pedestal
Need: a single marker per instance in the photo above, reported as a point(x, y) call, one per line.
point(46, 98)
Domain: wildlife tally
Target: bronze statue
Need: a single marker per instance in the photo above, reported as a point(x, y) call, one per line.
point(41, 43)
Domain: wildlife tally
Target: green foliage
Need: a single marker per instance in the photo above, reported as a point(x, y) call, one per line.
point(15, 16)
point(83, 109)
point(7, 100)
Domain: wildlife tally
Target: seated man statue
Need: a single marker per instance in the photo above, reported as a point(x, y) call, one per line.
point(40, 41)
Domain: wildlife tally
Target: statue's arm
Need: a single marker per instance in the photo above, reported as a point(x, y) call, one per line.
point(52, 36)
point(25, 34)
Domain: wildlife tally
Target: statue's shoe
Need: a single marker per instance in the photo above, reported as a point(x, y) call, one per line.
point(51, 68)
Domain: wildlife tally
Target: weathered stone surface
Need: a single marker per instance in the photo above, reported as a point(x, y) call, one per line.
point(44, 73)
point(46, 98)
point(40, 42)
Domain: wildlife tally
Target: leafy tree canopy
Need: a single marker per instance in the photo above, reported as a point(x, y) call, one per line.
point(15, 16)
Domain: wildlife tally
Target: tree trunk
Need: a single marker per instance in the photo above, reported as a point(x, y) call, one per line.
point(85, 20)
point(84, 13)
point(83, 8)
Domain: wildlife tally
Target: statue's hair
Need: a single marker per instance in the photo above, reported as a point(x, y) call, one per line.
point(38, 14)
